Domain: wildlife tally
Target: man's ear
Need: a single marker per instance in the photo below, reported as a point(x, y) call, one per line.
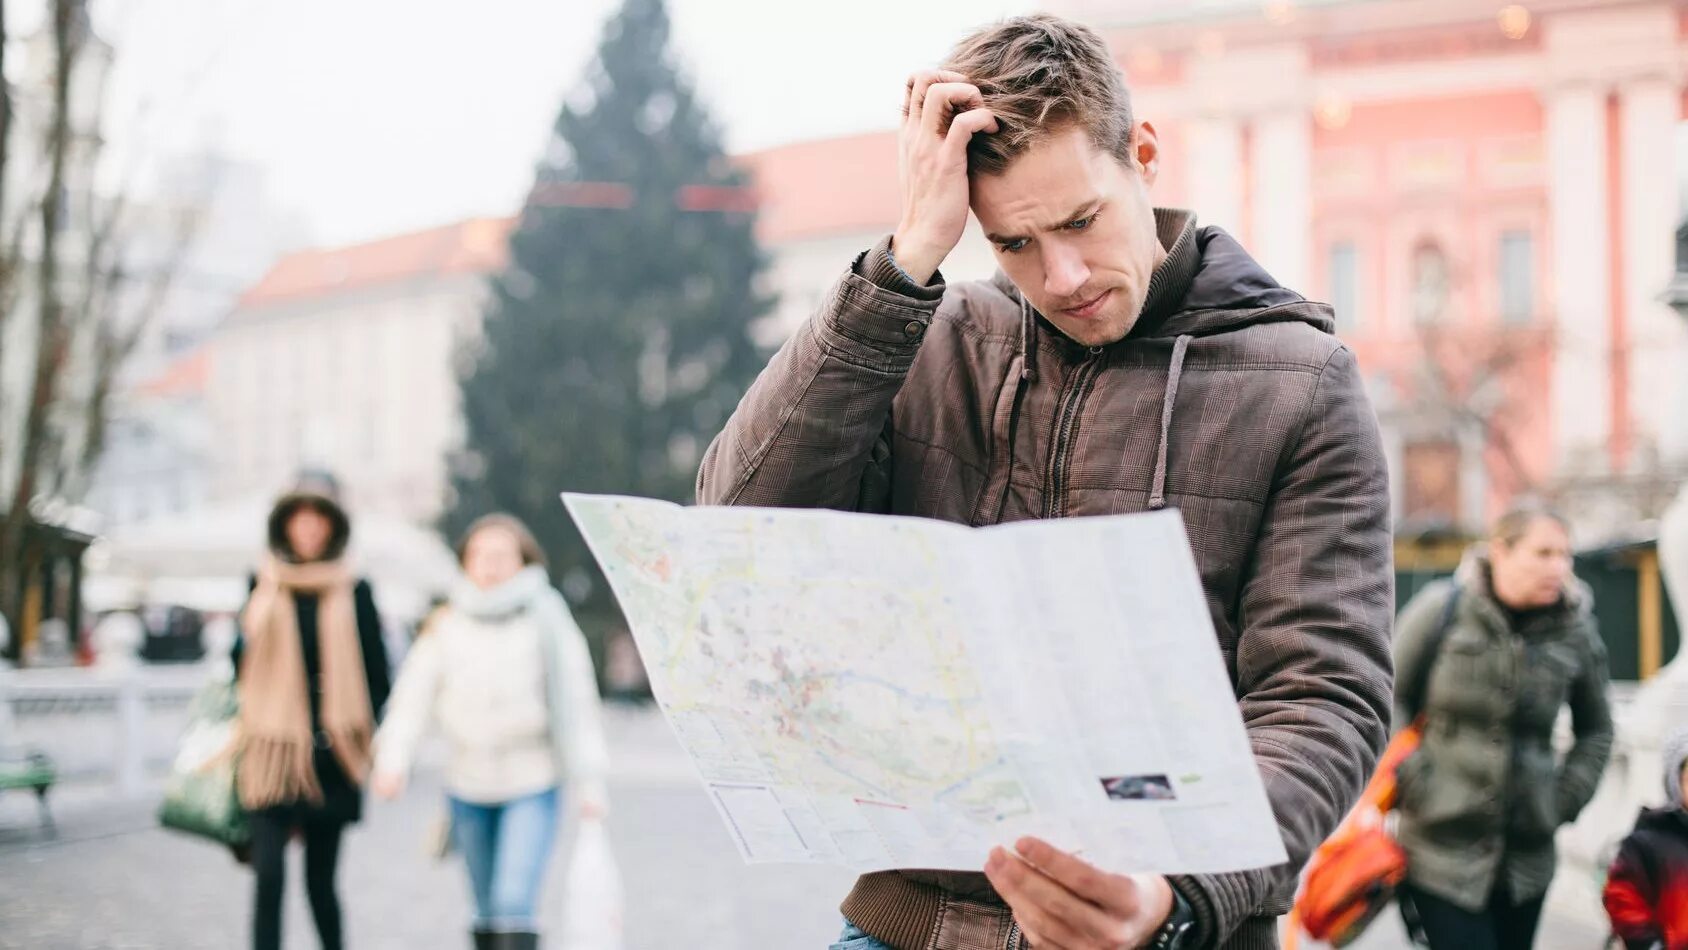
point(1145, 148)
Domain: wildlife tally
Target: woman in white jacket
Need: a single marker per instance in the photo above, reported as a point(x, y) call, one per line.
point(504, 672)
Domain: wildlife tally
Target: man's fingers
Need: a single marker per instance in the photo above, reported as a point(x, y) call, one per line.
point(1112, 892)
point(1045, 907)
point(914, 94)
point(968, 124)
point(944, 100)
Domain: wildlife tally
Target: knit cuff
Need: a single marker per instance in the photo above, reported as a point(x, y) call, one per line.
point(880, 266)
point(1218, 909)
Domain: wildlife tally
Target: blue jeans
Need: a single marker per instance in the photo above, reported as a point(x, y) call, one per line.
point(506, 846)
point(854, 939)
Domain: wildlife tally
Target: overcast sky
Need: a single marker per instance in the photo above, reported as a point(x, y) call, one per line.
point(376, 116)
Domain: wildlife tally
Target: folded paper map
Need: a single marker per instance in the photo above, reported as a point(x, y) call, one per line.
point(883, 692)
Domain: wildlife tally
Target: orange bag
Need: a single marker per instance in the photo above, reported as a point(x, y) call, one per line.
point(1352, 877)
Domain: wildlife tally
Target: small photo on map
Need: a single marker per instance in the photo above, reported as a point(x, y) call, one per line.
point(1139, 788)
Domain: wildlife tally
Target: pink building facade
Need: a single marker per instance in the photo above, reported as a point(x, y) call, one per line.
point(1487, 193)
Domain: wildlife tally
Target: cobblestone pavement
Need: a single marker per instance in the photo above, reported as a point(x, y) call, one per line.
point(111, 880)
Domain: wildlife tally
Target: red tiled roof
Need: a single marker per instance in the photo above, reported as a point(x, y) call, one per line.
point(186, 375)
point(475, 246)
point(827, 186)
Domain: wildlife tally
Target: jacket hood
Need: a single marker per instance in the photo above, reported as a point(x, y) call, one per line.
point(1229, 290)
point(319, 490)
point(1674, 754)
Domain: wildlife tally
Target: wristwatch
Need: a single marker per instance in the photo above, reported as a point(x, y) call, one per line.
point(1178, 930)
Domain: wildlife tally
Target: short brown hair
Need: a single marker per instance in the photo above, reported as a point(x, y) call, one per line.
point(1041, 75)
point(532, 553)
point(1517, 521)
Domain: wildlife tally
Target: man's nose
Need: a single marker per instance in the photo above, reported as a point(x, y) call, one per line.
point(1064, 272)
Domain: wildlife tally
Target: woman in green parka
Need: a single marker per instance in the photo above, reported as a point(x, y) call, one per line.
point(1494, 655)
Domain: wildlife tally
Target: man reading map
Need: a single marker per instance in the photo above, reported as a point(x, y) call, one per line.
point(1124, 359)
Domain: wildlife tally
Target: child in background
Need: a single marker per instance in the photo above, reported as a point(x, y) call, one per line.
point(1647, 886)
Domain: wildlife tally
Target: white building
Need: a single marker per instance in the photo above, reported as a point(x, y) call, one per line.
point(346, 358)
point(210, 222)
point(156, 459)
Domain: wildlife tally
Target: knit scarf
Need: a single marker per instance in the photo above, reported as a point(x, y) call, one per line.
point(519, 593)
point(276, 741)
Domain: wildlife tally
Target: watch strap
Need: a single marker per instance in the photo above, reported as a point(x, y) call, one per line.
point(1174, 932)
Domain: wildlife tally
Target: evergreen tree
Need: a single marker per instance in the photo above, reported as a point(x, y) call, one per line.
point(618, 339)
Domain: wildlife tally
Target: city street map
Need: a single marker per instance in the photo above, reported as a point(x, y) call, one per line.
point(881, 692)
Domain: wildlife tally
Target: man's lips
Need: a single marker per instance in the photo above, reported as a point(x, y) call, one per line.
point(1089, 308)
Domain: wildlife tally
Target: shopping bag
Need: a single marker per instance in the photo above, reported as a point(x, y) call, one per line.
point(592, 908)
point(200, 797)
point(438, 844)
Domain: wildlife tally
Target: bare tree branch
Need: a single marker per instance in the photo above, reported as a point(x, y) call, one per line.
point(8, 257)
point(1457, 367)
point(117, 335)
point(5, 116)
point(68, 19)
point(66, 266)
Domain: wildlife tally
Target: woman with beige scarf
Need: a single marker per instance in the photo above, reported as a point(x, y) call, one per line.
point(313, 678)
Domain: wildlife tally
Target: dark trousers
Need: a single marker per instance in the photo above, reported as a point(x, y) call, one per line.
point(270, 834)
point(1502, 925)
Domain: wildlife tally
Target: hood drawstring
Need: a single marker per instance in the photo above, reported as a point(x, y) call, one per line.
point(1023, 370)
point(1157, 492)
point(1028, 334)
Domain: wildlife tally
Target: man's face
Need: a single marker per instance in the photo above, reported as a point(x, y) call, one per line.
point(1073, 228)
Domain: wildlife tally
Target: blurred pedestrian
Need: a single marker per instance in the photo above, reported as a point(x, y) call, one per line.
point(506, 674)
point(312, 680)
point(1647, 885)
point(1500, 649)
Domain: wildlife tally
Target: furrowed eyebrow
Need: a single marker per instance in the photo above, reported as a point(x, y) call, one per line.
point(1083, 210)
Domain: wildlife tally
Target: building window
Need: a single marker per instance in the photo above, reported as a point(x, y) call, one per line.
point(1517, 276)
point(1430, 481)
point(1430, 286)
point(1345, 284)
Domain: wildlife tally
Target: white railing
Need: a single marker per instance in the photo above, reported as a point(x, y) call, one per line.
point(117, 725)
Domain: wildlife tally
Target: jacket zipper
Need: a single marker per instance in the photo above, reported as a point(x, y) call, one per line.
point(1054, 501)
point(1013, 935)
